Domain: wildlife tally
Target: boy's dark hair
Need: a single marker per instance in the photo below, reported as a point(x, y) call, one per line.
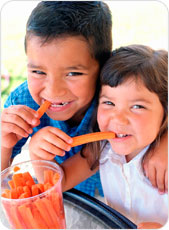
point(140, 62)
point(90, 19)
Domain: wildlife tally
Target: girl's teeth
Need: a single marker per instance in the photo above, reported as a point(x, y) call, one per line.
point(121, 135)
point(59, 105)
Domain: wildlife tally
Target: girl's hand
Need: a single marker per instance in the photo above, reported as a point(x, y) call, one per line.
point(49, 142)
point(17, 122)
point(155, 165)
point(149, 225)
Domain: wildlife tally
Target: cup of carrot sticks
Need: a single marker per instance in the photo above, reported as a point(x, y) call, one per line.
point(31, 195)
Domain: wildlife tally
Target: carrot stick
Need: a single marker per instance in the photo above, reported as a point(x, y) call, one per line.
point(48, 176)
point(28, 178)
point(56, 177)
point(11, 184)
point(18, 180)
point(16, 218)
point(16, 168)
point(51, 212)
point(90, 137)
point(44, 213)
point(23, 212)
point(35, 190)
point(43, 108)
point(38, 218)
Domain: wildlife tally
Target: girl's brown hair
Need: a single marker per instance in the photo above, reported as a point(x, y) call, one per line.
point(141, 62)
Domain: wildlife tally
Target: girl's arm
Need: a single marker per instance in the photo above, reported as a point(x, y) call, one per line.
point(76, 169)
point(155, 165)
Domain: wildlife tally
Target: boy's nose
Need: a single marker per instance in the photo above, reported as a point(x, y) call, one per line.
point(56, 88)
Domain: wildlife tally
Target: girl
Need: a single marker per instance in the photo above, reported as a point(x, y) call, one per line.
point(133, 105)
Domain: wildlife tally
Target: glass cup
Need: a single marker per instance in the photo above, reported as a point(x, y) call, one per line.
point(42, 211)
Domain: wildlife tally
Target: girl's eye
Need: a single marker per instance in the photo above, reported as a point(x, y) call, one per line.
point(138, 107)
point(108, 103)
point(74, 74)
point(38, 72)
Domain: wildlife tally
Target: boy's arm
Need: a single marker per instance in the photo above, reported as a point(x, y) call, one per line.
point(5, 157)
point(155, 165)
point(76, 169)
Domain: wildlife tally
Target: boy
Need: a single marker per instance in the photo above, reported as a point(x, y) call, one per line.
point(66, 43)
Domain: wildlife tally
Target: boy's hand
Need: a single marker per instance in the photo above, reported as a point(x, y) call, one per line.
point(17, 122)
point(149, 225)
point(155, 165)
point(49, 142)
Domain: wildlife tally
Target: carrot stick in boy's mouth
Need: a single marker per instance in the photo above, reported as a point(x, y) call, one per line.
point(90, 137)
point(43, 108)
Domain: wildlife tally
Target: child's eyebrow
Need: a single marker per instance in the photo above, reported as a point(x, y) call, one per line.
point(30, 65)
point(77, 67)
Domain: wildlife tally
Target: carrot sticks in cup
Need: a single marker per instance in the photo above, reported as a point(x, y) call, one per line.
point(91, 137)
point(43, 108)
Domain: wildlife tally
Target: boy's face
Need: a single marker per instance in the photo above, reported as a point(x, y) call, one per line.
point(131, 111)
point(63, 72)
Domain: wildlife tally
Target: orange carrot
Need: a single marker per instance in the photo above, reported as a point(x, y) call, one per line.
point(11, 184)
point(14, 194)
point(35, 190)
point(18, 180)
point(19, 190)
point(44, 213)
point(41, 187)
point(43, 108)
point(27, 189)
point(90, 137)
point(16, 168)
point(51, 211)
point(28, 178)
point(23, 212)
point(16, 218)
point(47, 186)
point(48, 176)
point(38, 218)
point(56, 177)
point(24, 195)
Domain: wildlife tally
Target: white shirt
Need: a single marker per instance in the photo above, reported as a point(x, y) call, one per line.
point(128, 191)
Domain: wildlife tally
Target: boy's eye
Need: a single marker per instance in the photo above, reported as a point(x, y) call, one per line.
point(74, 74)
point(38, 72)
point(138, 107)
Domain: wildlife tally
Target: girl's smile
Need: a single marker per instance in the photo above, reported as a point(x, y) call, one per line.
point(131, 111)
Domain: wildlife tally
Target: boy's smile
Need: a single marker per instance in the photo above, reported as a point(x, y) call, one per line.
point(63, 72)
point(131, 111)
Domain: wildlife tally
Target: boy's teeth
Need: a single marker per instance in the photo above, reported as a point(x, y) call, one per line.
point(121, 135)
point(59, 105)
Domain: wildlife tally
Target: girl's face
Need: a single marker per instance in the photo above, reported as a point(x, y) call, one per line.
point(63, 72)
point(131, 111)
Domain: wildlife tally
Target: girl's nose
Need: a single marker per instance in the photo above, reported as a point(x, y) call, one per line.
point(120, 118)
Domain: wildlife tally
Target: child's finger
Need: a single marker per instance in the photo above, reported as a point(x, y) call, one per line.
point(26, 113)
point(45, 155)
point(16, 121)
point(57, 142)
point(152, 176)
point(13, 128)
point(161, 181)
point(59, 133)
point(166, 181)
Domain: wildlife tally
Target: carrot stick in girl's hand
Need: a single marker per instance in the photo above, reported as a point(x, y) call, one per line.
point(90, 137)
point(43, 108)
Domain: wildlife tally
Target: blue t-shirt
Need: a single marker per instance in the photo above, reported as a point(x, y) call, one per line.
point(21, 95)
